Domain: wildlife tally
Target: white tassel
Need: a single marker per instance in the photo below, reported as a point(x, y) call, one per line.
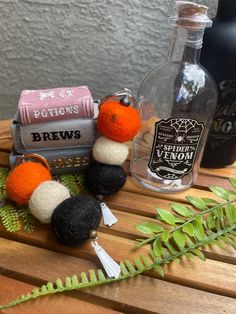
point(111, 267)
point(108, 218)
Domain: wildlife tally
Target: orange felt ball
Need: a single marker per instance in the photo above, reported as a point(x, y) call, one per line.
point(23, 180)
point(118, 122)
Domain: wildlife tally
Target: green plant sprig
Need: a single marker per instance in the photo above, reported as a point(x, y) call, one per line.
point(157, 236)
point(191, 225)
point(172, 248)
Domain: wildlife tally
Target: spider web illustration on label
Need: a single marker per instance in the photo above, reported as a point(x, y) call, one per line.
point(174, 147)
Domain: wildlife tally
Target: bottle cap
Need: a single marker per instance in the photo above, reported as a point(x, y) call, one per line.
point(191, 15)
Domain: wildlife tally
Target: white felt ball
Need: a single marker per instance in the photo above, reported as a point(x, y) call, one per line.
point(109, 152)
point(45, 199)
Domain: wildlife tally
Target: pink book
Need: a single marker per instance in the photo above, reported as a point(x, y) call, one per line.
point(63, 103)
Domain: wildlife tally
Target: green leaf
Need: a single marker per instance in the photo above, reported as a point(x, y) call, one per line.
point(171, 249)
point(209, 201)
point(178, 220)
point(198, 229)
point(211, 221)
point(233, 182)
point(165, 235)
point(232, 195)
point(230, 212)
point(197, 202)
point(189, 255)
point(59, 284)
point(157, 248)
point(159, 269)
point(148, 227)
point(166, 216)
point(129, 266)
point(75, 281)
point(124, 270)
point(179, 238)
point(138, 263)
point(189, 229)
point(50, 286)
point(226, 239)
point(199, 254)
point(182, 210)
point(218, 191)
point(219, 215)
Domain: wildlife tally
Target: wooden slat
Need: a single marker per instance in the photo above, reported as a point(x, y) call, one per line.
point(60, 304)
point(5, 135)
point(190, 273)
point(226, 172)
point(138, 295)
point(4, 159)
point(204, 181)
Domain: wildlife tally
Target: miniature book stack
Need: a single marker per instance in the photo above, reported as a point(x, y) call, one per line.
point(58, 124)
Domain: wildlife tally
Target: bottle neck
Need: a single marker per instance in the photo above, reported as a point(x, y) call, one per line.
point(186, 45)
point(226, 9)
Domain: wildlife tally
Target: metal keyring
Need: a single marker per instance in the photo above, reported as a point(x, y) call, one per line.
point(43, 160)
point(118, 95)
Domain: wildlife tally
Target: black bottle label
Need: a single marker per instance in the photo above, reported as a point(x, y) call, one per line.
point(174, 147)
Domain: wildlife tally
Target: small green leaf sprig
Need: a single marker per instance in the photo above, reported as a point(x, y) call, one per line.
point(190, 231)
point(74, 182)
point(187, 225)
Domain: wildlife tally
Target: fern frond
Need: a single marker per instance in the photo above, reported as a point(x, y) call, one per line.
point(3, 175)
point(10, 218)
point(80, 180)
point(129, 268)
point(27, 218)
point(74, 182)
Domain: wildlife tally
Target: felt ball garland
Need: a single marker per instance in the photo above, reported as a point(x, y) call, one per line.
point(117, 122)
point(75, 219)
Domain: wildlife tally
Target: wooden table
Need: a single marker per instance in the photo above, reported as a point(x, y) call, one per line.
point(192, 286)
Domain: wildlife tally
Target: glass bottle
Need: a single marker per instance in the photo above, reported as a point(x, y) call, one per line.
point(218, 56)
point(176, 101)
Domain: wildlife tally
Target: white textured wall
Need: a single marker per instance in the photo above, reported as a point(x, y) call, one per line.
point(105, 44)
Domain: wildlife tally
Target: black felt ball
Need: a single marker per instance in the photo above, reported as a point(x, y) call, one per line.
point(103, 179)
point(74, 218)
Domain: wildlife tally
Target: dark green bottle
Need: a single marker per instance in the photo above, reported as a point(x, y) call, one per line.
point(218, 56)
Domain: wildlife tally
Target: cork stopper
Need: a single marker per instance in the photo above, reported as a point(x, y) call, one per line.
point(191, 15)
